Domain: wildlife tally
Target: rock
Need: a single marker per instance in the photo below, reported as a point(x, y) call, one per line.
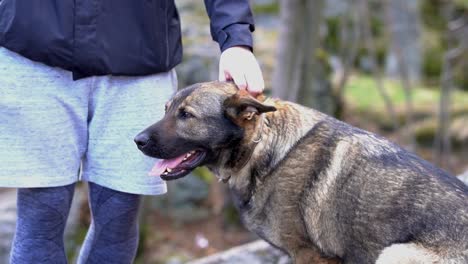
point(464, 177)
point(257, 252)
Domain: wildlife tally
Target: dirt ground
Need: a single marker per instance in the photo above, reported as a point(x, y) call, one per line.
point(177, 243)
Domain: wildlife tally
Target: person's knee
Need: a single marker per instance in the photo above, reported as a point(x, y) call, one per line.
point(112, 207)
point(113, 235)
point(44, 210)
point(42, 215)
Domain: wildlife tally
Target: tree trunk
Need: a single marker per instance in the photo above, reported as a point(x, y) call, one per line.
point(299, 75)
point(404, 23)
point(442, 144)
point(406, 50)
point(349, 46)
point(376, 72)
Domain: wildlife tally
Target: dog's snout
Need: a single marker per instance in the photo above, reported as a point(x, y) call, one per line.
point(141, 139)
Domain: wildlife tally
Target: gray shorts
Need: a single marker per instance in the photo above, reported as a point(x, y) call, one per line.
point(52, 128)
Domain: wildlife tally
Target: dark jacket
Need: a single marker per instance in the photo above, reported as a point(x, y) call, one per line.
point(118, 37)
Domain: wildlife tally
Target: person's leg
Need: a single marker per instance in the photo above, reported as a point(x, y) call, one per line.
point(120, 107)
point(113, 234)
point(43, 137)
point(42, 215)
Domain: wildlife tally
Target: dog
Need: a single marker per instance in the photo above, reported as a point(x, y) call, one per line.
point(317, 188)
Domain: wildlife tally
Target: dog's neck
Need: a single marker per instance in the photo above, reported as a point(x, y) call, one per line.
point(278, 132)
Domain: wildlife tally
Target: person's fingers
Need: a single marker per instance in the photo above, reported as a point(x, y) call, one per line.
point(240, 65)
point(223, 75)
point(239, 79)
point(255, 83)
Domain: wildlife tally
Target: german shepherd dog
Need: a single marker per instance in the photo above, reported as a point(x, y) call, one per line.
point(317, 188)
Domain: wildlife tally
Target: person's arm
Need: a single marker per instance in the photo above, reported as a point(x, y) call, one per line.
point(231, 25)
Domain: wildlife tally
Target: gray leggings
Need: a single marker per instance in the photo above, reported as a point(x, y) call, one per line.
point(42, 214)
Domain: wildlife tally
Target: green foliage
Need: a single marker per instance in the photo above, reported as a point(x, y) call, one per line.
point(460, 72)
point(204, 174)
point(377, 26)
point(461, 79)
point(231, 216)
point(323, 58)
point(431, 15)
point(271, 8)
point(332, 39)
point(462, 3)
point(432, 63)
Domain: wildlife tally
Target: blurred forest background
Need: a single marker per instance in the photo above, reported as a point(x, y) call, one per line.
point(395, 67)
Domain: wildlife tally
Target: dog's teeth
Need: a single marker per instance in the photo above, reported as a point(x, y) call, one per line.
point(188, 155)
point(169, 169)
point(185, 158)
point(165, 173)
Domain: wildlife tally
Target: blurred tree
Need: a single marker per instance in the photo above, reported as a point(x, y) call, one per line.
point(457, 39)
point(375, 67)
point(302, 72)
point(404, 24)
point(405, 53)
point(347, 50)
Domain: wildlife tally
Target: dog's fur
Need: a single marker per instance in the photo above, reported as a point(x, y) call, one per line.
point(317, 188)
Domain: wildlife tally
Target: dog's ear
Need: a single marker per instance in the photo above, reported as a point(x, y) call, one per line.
point(242, 107)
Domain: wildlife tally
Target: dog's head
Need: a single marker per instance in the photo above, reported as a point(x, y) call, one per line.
point(200, 123)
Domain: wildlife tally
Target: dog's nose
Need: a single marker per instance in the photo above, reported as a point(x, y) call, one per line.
point(141, 140)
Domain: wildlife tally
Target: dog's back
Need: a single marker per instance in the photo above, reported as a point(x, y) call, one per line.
point(393, 196)
point(357, 194)
point(385, 195)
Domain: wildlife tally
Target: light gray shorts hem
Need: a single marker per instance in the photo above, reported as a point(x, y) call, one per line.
point(158, 189)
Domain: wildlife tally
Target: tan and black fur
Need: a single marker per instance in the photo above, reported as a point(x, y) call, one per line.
point(317, 188)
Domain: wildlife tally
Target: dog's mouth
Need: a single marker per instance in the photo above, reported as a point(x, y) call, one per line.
point(178, 167)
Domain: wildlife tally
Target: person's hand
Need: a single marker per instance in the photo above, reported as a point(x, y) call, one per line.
point(239, 65)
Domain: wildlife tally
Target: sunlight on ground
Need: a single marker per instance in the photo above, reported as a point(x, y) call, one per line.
point(361, 93)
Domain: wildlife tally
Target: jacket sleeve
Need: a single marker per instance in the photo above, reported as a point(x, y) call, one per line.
point(231, 22)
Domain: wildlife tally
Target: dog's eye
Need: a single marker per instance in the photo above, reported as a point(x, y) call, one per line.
point(184, 114)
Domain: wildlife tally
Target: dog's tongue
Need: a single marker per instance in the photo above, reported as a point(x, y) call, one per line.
point(162, 165)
